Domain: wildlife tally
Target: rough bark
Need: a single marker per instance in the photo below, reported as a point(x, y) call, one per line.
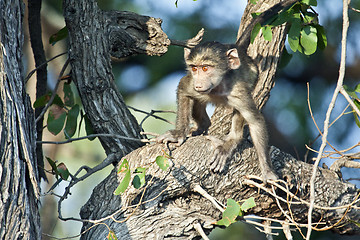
point(173, 206)
point(89, 55)
point(177, 208)
point(19, 195)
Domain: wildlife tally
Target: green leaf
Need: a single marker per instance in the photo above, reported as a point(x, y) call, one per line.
point(124, 168)
point(285, 58)
point(60, 35)
point(255, 32)
point(308, 39)
point(68, 95)
point(42, 101)
point(88, 127)
point(111, 236)
point(63, 171)
point(281, 18)
point(58, 101)
point(162, 162)
point(140, 170)
point(52, 164)
point(253, 1)
point(230, 214)
point(310, 17)
point(350, 91)
point(357, 88)
point(123, 184)
point(322, 40)
point(71, 121)
point(267, 33)
point(139, 180)
point(294, 33)
point(357, 121)
point(310, 2)
point(56, 119)
point(249, 203)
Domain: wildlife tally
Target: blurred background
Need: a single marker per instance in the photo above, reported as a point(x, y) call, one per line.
point(149, 83)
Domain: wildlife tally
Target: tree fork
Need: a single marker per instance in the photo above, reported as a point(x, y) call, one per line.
point(170, 205)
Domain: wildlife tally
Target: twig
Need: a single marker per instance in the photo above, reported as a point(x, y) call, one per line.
point(331, 106)
point(150, 133)
point(286, 230)
point(191, 42)
point(267, 230)
point(291, 219)
point(107, 161)
point(301, 201)
point(355, 10)
point(53, 92)
point(337, 118)
point(93, 136)
point(151, 114)
point(247, 218)
point(34, 70)
point(344, 162)
point(203, 193)
point(316, 125)
point(347, 97)
point(199, 229)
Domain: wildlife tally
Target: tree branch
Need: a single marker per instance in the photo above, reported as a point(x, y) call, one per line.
point(328, 113)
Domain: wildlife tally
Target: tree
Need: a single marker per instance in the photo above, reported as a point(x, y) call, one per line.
point(20, 192)
point(179, 201)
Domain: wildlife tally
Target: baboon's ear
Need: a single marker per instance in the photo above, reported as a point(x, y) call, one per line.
point(187, 52)
point(233, 58)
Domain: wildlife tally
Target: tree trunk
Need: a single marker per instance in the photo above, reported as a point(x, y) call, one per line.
point(169, 204)
point(19, 216)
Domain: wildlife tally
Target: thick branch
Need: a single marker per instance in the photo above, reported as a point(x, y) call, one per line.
point(91, 71)
point(178, 206)
point(171, 205)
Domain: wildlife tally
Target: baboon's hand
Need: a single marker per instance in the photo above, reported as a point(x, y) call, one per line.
point(172, 136)
point(223, 149)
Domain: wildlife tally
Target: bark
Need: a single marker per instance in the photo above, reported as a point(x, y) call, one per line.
point(93, 35)
point(91, 72)
point(170, 207)
point(19, 216)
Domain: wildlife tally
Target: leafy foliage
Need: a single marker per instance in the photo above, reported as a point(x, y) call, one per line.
point(111, 235)
point(162, 162)
point(64, 113)
point(139, 179)
point(59, 170)
point(356, 99)
point(234, 210)
point(304, 32)
point(60, 35)
point(124, 169)
point(140, 173)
